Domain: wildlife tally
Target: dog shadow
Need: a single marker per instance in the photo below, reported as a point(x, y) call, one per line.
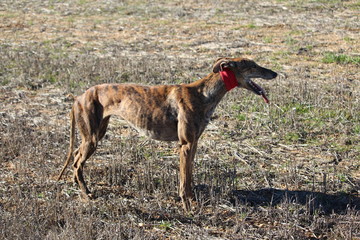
point(312, 201)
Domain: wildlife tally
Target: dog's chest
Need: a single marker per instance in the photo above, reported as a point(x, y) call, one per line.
point(209, 113)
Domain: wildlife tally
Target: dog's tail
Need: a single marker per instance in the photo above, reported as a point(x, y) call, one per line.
point(72, 141)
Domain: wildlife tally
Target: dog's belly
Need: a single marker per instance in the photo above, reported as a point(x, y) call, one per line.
point(159, 124)
point(157, 130)
point(163, 134)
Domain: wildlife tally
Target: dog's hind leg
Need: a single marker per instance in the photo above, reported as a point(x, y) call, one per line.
point(87, 148)
point(89, 128)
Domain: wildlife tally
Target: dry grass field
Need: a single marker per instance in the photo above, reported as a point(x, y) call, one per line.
point(287, 170)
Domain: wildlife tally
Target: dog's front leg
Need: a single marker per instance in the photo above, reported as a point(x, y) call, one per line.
point(187, 154)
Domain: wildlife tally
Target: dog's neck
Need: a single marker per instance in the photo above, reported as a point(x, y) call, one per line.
point(212, 88)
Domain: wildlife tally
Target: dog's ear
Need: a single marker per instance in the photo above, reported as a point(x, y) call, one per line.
point(222, 63)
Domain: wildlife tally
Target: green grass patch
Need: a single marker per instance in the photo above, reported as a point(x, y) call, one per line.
point(355, 6)
point(325, 1)
point(340, 58)
point(356, 129)
point(241, 117)
point(82, 2)
point(299, 108)
point(165, 225)
point(292, 137)
point(251, 25)
point(51, 78)
point(349, 39)
point(9, 15)
point(5, 82)
point(268, 39)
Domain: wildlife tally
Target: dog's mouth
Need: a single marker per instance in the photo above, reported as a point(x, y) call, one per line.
point(257, 89)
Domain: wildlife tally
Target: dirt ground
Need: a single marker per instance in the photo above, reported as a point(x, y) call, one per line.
point(286, 170)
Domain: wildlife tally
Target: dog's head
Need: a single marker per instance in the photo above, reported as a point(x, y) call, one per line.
point(245, 69)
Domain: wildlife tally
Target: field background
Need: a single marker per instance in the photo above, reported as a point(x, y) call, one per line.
point(288, 170)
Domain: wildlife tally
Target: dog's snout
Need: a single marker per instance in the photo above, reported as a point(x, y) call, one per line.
point(271, 74)
point(267, 73)
point(274, 74)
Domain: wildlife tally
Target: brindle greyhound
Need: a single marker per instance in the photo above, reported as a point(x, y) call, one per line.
point(166, 113)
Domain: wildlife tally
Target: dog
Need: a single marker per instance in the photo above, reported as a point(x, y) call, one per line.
point(164, 112)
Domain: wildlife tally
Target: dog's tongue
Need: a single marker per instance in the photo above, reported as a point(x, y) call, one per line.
point(260, 91)
point(265, 97)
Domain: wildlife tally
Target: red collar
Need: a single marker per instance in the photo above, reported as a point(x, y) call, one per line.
point(229, 79)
